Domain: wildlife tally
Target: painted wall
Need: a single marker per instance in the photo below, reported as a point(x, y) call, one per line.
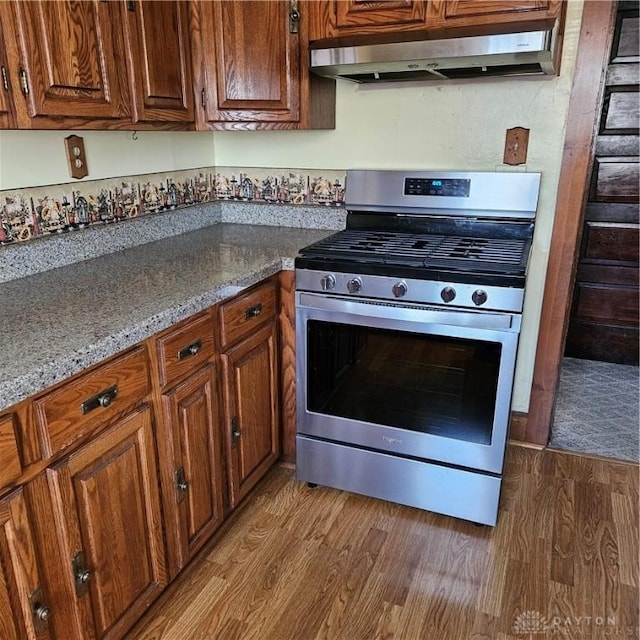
point(34, 158)
point(447, 126)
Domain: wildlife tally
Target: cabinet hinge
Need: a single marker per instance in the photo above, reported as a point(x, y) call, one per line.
point(203, 98)
point(131, 5)
point(24, 83)
point(5, 79)
point(235, 432)
point(294, 16)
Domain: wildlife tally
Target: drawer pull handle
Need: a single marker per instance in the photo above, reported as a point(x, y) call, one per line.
point(102, 399)
point(253, 312)
point(192, 349)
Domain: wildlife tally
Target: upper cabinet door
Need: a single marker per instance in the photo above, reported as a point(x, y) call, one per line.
point(340, 18)
point(490, 13)
point(69, 53)
point(250, 61)
point(379, 13)
point(6, 113)
point(160, 61)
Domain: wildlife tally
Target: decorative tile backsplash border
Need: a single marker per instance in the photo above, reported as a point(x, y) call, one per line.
point(26, 214)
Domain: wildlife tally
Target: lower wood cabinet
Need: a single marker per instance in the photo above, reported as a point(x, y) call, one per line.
point(132, 468)
point(100, 531)
point(251, 409)
point(24, 611)
point(190, 443)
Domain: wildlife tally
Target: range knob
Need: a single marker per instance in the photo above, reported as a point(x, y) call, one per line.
point(448, 294)
point(399, 289)
point(354, 285)
point(327, 282)
point(479, 297)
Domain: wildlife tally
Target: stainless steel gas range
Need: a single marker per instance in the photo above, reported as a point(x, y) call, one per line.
point(407, 329)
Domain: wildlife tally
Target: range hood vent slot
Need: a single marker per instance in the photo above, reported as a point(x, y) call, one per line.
point(514, 54)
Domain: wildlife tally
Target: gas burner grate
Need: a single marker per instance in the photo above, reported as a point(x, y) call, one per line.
point(411, 248)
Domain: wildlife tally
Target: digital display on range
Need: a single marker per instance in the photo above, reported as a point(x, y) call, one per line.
point(457, 187)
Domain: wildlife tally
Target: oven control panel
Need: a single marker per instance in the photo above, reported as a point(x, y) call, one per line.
point(409, 290)
point(456, 187)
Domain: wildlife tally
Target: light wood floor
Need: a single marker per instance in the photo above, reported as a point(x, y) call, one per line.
point(321, 564)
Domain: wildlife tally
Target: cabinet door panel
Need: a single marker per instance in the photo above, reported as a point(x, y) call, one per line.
point(193, 413)
point(10, 467)
point(532, 14)
point(161, 58)
point(461, 8)
point(256, 62)
point(357, 13)
point(69, 50)
point(109, 497)
point(251, 394)
point(6, 111)
point(19, 577)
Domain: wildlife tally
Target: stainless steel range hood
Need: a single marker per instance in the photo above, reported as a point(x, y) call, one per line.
point(512, 54)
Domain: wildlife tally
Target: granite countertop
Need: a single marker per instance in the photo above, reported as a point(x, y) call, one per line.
point(57, 323)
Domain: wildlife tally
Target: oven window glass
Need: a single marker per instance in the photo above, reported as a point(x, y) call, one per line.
point(433, 384)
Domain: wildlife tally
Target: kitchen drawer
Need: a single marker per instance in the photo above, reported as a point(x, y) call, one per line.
point(10, 467)
point(91, 400)
point(185, 348)
point(242, 315)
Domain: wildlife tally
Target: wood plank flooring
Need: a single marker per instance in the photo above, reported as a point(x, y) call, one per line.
point(321, 564)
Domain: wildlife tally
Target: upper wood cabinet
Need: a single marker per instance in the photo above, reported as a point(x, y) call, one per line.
point(250, 62)
point(129, 64)
point(252, 67)
point(494, 14)
point(335, 18)
point(160, 61)
point(7, 119)
point(356, 19)
point(65, 57)
point(99, 65)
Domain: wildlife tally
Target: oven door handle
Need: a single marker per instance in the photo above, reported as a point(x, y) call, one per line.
point(411, 313)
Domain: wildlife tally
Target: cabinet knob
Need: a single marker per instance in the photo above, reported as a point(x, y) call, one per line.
point(81, 574)
point(105, 400)
point(294, 16)
point(235, 432)
point(42, 612)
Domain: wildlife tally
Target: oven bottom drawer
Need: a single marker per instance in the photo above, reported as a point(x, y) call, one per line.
point(453, 492)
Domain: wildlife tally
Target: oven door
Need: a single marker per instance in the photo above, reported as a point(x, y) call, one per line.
point(423, 382)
